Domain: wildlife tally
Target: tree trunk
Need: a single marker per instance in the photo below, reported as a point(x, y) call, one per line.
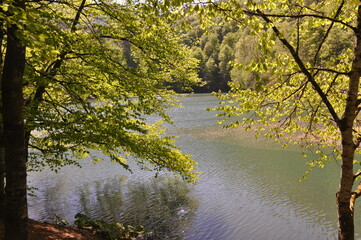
point(14, 138)
point(2, 188)
point(345, 210)
point(2, 159)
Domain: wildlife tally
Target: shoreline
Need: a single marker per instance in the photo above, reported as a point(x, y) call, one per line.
point(46, 231)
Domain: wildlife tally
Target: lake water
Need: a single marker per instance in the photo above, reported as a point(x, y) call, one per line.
point(248, 188)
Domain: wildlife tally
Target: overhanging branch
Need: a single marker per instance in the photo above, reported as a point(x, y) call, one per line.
point(302, 67)
point(327, 33)
point(289, 16)
point(300, 16)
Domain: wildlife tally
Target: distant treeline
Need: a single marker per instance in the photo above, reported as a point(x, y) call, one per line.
point(227, 50)
point(225, 45)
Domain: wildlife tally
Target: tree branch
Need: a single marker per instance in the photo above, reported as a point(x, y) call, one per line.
point(357, 175)
point(292, 16)
point(261, 14)
point(302, 67)
point(327, 32)
point(354, 195)
point(54, 67)
point(329, 70)
point(314, 111)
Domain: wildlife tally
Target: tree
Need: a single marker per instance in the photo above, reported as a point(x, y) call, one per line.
point(225, 56)
point(311, 96)
point(246, 52)
point(15, 202)
point(309, 101)
point(83, 76)
point(211, 46)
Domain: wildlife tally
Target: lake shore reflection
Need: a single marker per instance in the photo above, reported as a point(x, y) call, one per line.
point(162, 205)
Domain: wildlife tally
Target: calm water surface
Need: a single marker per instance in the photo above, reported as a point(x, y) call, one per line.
point(248, 188)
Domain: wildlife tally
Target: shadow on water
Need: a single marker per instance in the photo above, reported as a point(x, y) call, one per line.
point(162, 205)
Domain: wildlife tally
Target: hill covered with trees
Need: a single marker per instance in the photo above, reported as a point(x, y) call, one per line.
point(228, 51)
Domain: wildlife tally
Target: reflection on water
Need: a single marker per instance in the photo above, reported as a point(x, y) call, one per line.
point(248, 189)
point(162, 205)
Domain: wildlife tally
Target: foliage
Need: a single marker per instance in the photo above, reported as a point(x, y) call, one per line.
point(111, 231)
point(230, 41)
point(212, 51)
point(282, 102)
point(307, 85)
point(95, 71)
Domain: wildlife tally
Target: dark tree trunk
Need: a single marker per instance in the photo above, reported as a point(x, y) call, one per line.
point(14, 137)
point(2, 159)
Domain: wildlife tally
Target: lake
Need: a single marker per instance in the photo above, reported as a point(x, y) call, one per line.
point(248, 188)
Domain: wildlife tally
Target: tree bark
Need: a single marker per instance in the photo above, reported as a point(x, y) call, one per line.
point(345, 213)
point(2, 159)
point(14, 137)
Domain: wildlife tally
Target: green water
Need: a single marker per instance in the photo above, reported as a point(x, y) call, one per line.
point(248, 188)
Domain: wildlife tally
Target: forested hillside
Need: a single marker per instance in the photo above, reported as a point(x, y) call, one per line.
point(228, 51)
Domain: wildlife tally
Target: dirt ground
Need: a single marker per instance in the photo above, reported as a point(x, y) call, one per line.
point(46, 231)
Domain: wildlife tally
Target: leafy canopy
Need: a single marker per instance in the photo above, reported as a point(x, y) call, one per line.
point(284, 103)
point(304, 56)
point(95, 71)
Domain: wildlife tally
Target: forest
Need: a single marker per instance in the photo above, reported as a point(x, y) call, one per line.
point(98, 80)
point(223, 49)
